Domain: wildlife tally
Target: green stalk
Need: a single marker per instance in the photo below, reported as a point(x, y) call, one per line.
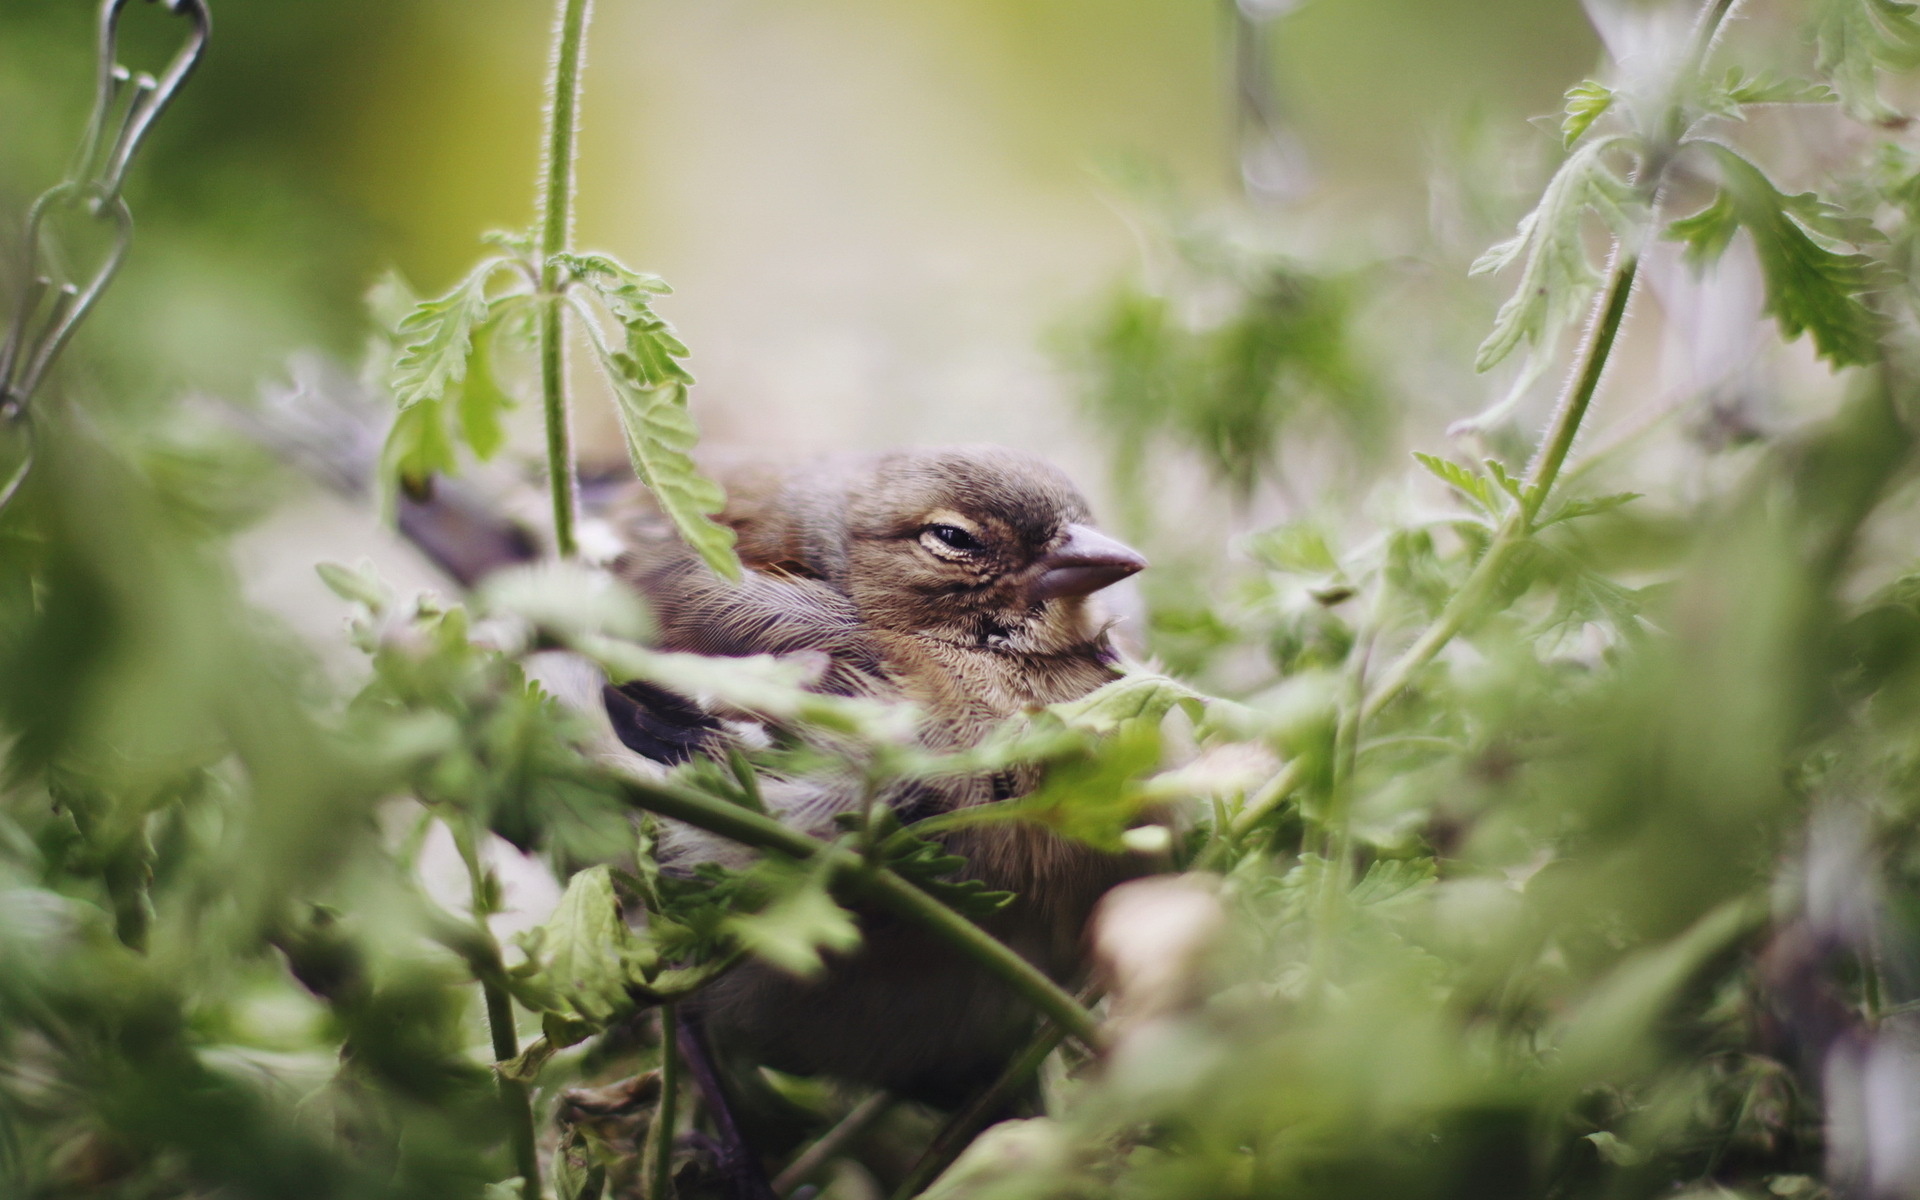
point(514, 1095)
point(959, 1132)
point(1541, 476)
point(556, 223)
point(659, 1157)
point(1573, 407)
point(877, 885)
point(1585, 381)
point(814, 1157)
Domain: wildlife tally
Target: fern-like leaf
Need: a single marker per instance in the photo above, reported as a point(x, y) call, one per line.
point(1813, 286)
point(1855, 40)
point(1557, 279)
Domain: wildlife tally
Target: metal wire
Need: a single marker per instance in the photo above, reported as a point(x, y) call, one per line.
point(53, 297)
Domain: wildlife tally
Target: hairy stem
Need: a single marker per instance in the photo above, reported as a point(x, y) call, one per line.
point(1558, 443)
point(1572, 411)
point(659, 1157)
point(556, 223)
point(877, 885)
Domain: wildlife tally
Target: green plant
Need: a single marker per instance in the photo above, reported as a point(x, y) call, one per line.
point(1560, 835)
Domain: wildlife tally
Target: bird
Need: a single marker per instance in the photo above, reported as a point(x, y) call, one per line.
point(962, 580)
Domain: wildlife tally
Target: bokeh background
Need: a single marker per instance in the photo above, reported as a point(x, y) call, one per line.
point(874, 214)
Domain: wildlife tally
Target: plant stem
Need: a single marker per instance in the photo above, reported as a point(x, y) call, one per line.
point(876, 884)
point(1584, 382)
point(957, 1133)
point(556, 223)
point(824, 1151)
point(514, 1096)
point(660, 1134)
point(1579, 398)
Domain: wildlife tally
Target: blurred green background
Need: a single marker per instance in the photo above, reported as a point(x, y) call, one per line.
point(871, 211)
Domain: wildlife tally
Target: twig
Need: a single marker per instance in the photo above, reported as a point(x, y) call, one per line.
point(659, 1157)
point(957, 1133)
point(831, 1143)
point(876, 884)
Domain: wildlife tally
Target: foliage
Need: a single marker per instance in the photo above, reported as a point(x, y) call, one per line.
point(1559, 826)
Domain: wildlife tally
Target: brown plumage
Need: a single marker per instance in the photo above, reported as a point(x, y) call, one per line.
point(960, 580)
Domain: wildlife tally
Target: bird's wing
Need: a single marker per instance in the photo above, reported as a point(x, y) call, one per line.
point(764, 613)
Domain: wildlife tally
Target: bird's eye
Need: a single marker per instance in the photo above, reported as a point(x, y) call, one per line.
point(953, 537)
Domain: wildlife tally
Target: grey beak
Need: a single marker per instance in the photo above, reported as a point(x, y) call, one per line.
point(1086, 562)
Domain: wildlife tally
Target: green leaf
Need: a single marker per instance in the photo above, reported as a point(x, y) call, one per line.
point(436, 339)
point(359, 585)
point(1855, 40)
point(650, 390)
point(1093, 795)
point(587, 955)
point(1139, 696)
point(932, 868)
point(628, 296)
point(1464, 480)
point(1556, 280)
point(1588, 506)
point(1737, 90)
point(437, 351)
point(1585, 103)
point(482, 402)
point(1812, 287)
point(1391, 880)
point(1298, 548)
point(799, 922)
point(1497, 471)
point(1708, 232)
point(660, 433)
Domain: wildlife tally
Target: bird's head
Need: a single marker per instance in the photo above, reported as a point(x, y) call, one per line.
point(978, 546)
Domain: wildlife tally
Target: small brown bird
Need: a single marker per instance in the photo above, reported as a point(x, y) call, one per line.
point(961, 580)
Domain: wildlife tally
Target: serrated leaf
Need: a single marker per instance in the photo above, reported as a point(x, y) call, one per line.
point(1588, 506)
point(1855, 40)
point(1737, 89)
point(1140, 696)
point(587, 955)
point(797, 924)
point(1708, 232)
point(438, 355)
point(1812, 287)
point(1390, 880)
point(934, 869)
point(1556, 280)
point(1093, 795)
point(650, 393)
point(1497, 471)
point(1461, 479)
point(482, 402)
point(436, 339)
point(1586, 103)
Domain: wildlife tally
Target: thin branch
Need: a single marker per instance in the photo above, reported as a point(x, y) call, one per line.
point(957, 1133)
point(875, 884)
point(659, 1156)
point(831, 1143)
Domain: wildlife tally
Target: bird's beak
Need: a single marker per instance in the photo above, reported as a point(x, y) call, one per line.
point(1086, 562)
